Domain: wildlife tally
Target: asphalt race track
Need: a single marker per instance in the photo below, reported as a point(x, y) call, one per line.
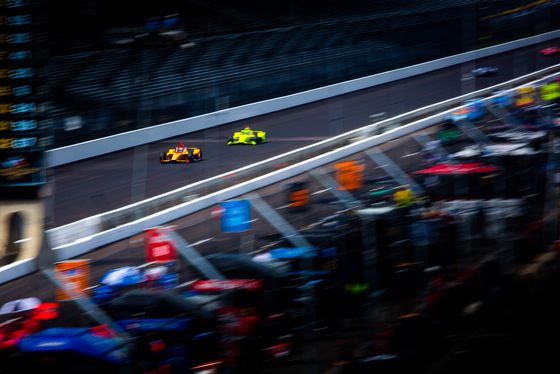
point(100, 184)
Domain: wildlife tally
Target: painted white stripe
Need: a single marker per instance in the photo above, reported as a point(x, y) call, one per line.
point(410, 154)
point(201, 241)
point(321, 191)
point(22, 241)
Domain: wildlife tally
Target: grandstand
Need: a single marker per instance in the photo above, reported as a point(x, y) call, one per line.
point(211, 55)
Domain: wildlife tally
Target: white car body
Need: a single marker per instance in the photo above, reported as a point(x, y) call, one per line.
point(485, 70)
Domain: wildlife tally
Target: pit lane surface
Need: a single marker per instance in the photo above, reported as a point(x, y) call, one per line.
point(107, 182)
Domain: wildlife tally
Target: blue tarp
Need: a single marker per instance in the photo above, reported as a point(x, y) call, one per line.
point(79, 340)
point(293, 253)
point(237, 215)
point(151, 324)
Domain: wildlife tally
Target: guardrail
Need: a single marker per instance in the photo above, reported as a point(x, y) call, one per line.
point(85, 235)
point(97, 147)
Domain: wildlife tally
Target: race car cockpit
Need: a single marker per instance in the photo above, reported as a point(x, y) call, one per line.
point(180, 148)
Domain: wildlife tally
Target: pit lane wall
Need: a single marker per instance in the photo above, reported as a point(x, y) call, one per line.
point(97, 147)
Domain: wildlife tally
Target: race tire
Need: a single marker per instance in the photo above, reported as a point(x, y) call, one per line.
point(189, 155)
point(230, 141)
point(161, 156)
point(199, 156)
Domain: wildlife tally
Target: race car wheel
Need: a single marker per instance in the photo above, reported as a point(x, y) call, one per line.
point(161, 156)
point(190, 155)
point(199, 156)
point(230, 141)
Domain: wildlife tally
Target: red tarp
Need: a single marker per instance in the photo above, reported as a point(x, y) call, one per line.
point(466, 168)
point(225, 285)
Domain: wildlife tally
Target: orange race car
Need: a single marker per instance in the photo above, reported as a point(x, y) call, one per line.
point(181, 154)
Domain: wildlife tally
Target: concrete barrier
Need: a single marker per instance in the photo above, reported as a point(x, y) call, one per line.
point(17, 269)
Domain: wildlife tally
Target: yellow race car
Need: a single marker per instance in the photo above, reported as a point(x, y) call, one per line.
point(181, 154)
point(247, 136)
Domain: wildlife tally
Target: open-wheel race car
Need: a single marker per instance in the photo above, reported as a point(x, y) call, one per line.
point(181, 154)
point(247, 136)
point(550, 51)
point(485, 70)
